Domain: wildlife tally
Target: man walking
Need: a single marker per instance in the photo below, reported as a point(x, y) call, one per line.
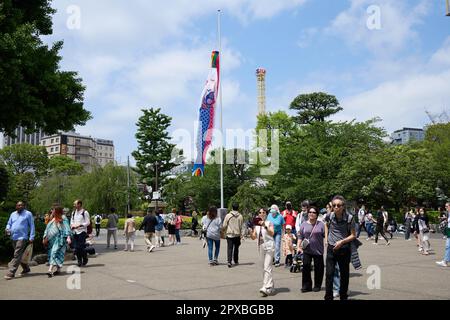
point(79, 223)
point(277, 221)
point(113, 220)
point(361, 221)
point(233, 228)
point(20, 228)
point(339, 233)
point(98, 221)
point(149, 225)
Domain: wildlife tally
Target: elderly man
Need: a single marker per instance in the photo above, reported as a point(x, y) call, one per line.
point(20, 228)
point(339, 233)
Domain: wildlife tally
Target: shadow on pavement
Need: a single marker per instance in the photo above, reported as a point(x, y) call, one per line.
point(281, 290)
point(355, 275)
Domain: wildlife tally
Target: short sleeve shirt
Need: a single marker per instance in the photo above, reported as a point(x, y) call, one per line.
point(339, 230)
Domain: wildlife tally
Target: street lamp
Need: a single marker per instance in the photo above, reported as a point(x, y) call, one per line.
point(156, 192)
point(448, 8)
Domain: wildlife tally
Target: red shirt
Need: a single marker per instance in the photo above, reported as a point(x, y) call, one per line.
point(289, 217)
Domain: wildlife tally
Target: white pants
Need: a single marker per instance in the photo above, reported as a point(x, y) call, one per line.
point(130, 237)
point(149, 239)
point(266, 258)
point(158, 235)
point(425, 242)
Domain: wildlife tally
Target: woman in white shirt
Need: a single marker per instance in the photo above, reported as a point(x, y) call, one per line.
point(263, 232)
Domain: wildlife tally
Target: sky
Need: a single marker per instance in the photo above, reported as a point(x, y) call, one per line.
point(380, 58)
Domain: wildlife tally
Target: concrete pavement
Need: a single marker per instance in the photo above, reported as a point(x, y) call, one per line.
point(182, 273)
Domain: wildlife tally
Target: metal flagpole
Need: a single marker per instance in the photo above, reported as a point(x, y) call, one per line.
point(128, 185)
point(221, 109)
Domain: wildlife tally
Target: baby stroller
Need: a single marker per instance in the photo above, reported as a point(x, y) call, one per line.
point(297, 263)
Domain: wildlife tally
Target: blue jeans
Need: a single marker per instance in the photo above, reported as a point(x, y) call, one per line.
point(369, 228)
point(447, 251)
point(177, 235)
point(211, 242)
point(277, 238)
point(336, 279)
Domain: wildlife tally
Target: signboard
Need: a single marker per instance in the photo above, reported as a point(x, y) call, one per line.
point(156, 195)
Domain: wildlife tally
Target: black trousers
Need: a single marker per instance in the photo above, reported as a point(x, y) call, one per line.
point(318, 271)
point(380, 231)
point(80, 247)
point(342, 258)
point(233, 249)
point(97, 230)
point(289, 260)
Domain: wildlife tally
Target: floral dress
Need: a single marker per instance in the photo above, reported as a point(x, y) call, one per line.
point(57, 233)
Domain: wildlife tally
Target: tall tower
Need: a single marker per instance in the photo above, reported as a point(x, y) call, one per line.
point(261, 88)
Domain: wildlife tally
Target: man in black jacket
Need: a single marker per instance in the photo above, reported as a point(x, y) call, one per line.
point(148, 225)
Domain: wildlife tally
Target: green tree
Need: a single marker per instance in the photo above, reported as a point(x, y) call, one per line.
point(4, 182)
point(26, 165)
point(154, 147)
point(315, 106)
point(24, 157)
point(65, 166)
point(34, 92)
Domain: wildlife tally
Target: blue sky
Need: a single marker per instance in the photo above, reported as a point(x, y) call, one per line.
point(136, 54)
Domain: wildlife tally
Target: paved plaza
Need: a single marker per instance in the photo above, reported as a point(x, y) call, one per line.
point(182, 273)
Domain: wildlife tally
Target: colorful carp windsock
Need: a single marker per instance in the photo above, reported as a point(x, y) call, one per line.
point(206, 115)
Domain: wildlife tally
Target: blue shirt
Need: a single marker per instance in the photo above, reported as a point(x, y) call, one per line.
point(160, 224)
point(277, 222)
point(21, 225)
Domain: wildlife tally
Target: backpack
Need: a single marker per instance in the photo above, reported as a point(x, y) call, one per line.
point(98, 219)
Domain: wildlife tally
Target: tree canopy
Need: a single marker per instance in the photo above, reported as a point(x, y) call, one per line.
point(34, 92)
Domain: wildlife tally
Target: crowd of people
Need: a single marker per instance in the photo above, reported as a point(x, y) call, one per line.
point(326, 239)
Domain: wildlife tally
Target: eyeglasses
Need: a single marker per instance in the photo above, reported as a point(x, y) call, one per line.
point(315, 212)
point(337, 205)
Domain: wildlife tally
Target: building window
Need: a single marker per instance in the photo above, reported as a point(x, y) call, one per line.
point(52, 141)
point(110, 155)
point(57, 140)
point(56, 148)
point(43, 142)
point(51, 149)
point(101, 154)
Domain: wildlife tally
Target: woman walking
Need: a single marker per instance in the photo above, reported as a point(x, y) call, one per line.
point(129, 231)
point(424, 231)
point(408, 224)
point(178, 223)
point(310, 242)
point(381, 227)
point(56, 237)
point(263, 231)
point(211, 226)
point(171, 221)
point(194, 224)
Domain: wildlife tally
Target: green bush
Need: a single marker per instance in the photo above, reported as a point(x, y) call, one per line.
point(121, 223)
point(399, 217)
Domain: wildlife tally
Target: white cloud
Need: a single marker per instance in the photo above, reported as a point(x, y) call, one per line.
point(398, 20)
point(402, 101)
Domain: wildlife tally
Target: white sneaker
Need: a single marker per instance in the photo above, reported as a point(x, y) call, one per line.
point(151, 249)
point(420, 249)
point(263, 292)
point(388, 243)
point(335, 294)
point(442, 263)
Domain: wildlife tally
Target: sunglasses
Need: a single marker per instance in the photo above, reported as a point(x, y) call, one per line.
point(315, 212)
point(337, 205)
